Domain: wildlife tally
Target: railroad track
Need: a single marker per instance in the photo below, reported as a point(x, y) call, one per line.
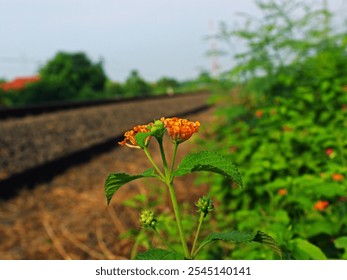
point(20, 112)
point(39, 145)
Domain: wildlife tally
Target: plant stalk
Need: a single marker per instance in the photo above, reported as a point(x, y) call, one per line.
point(173, 161)
point(201, 218)
point(153, 163)
point(166, 169)
point(178, 220)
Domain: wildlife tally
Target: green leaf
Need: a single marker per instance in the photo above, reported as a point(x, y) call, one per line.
point(310, 250)
point(141, 137)
point(243, 237)
point(209, 161)
point(266, 239)
point(115, 181)
point(341, 242)
point(231, 236)
point(159, 254)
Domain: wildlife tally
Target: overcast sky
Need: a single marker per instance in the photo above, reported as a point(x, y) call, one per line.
point(156, 37)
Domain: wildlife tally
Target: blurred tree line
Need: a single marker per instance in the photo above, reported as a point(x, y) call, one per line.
point(73, 77)
point(293, 44)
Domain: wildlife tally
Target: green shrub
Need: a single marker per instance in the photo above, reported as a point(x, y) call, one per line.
point(288, 134)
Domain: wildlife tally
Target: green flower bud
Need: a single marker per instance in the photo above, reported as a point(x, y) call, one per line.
point(157, 129)
point(205, 205)
point(147, 219)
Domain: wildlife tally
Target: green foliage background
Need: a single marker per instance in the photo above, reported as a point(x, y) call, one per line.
point(285, 126)
point(74, 77)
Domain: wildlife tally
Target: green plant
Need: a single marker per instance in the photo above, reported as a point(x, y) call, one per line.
point(288, 132)
point(179, 131)
point(293, 158)
point(75, 71)
point(135, 85)
point(292, 43)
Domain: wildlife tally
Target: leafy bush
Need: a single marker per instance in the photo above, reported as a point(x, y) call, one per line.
point(47, 90)
point(75, 71)
point(288, 134)
point(135, 85)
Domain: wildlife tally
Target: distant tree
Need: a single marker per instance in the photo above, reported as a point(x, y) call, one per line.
point(166, 85)
point(3, 99)
point(114, 89)
point(135, 85)
point(204, 77)
point(76, 72)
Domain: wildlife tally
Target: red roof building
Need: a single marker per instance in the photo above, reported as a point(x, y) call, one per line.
point(19, 83)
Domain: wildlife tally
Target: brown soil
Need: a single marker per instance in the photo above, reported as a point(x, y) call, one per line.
point(67, 218)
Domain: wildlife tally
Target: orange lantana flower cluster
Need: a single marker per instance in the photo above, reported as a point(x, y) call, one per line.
point(129, 136)
point(337, 177)
point(320, 205)
point(180, 130)
point(259, 113)
point(282, 192)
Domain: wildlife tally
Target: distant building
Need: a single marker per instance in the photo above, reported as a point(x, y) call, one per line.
point(19, 83)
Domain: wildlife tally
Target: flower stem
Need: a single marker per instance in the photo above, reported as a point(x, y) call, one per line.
point(178, 220)
point(173, 161)
point(160, 141)
point(153, 163)
point(134, 249)
point(200, 247)
point(201, 218)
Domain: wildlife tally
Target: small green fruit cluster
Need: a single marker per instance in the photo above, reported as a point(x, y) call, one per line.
point(205, 205)
point(148, 219)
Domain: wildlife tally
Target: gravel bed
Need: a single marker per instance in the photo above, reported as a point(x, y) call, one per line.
point(34, 140)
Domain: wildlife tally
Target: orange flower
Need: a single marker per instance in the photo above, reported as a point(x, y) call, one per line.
point(282, 192)
point(320, 205)
point(337, 177)
point(180, 130)
point(329, 151)
point(130, 135)
point(259, 113)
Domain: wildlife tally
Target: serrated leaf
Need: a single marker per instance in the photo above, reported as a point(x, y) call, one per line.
point(209, 161)
point(116, 180)
point(231, 236)
point(141, 137)
point(159, 254)
point(266, 239)
point(243, 237)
